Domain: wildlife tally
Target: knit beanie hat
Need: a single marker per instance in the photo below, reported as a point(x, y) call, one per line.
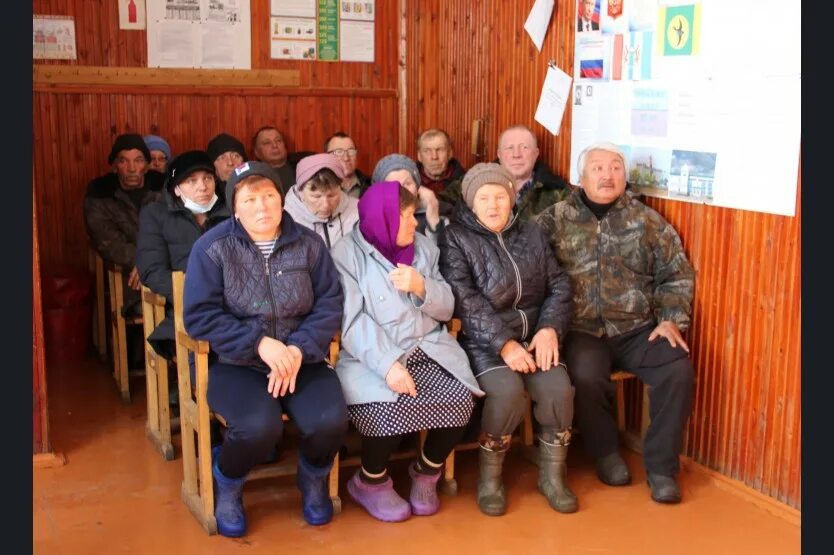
point(185, 164)
point(245, 170)
point(128, 141)
point(485, 173)
point(310, 165)
point(392, 163)
point(222, 144)
point(155, 142)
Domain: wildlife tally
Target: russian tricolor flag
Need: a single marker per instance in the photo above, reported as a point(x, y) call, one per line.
point(590, 69)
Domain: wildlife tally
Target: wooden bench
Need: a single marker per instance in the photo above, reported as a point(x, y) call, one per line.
point(118, 325)
point(158, 425)
point(195, 419)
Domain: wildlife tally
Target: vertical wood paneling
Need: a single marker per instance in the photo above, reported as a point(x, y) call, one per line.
point(473, 60)
point(40, 413)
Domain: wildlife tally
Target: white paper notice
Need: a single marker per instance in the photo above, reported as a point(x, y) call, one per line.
point(53, 37)
point(554, 96)
point(218, 46)
point(297, 8)
point(538, 21)
point(175, 46)
point(356, 41)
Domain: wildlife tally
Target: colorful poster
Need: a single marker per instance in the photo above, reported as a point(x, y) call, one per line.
point(680, 27)
point(53, 37)
point(328, 25)
point(131, 14)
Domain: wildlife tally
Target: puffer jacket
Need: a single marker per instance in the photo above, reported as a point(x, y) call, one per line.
point(507, 285)
point(112, 220)
point(382, 325)
point(233, 297)
point(331, 229)
point(628, 269)
point(167, 231)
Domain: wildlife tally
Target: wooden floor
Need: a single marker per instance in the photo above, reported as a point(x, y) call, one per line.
point(117, 495)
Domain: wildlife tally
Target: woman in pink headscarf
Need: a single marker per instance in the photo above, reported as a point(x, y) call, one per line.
point(401, 371)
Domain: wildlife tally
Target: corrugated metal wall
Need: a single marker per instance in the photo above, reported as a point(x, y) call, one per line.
point(473, 60)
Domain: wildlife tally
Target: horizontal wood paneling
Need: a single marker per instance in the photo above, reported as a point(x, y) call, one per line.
point(473, 60)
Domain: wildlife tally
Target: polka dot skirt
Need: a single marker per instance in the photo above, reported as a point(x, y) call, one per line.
point(441, 402)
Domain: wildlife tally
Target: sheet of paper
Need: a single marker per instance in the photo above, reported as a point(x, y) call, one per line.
point(53, 37)
point(538, 21)
point(356, 41)
point(131, 14)
point(297, 8)
point(555, 94)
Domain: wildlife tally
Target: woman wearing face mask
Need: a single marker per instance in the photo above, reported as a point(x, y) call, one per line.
point(168, 228)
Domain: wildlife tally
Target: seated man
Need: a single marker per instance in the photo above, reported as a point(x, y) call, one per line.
point(111, 216)
point(340, 145)
point(227, 153)
point(268, 146)
point(318, 202)
point(633, 288)
point(437, 167)
point(160, 152)
point(536, 186)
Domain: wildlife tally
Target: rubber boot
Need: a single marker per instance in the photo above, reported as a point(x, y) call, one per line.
point(492, 498)
point(313, 482)
point(228, 501)
point(423, 497)
point(553, 475)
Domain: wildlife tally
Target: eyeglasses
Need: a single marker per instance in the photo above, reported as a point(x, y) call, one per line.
point(351, 152)
point(231, 158)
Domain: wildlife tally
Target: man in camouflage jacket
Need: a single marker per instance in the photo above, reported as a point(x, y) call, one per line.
point(633, 289)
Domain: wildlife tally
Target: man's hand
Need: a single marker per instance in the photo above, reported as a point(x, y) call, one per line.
point(546, 346)
point(408, 280)
point(400, 381)
point(670, 331)
point(133, 280)
point(517, 358)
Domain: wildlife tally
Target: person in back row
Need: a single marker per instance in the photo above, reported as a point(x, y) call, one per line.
point(226, 153)
point(341, 145)
point(160, 152)
point(268, 146)
point(438, 168)
point(318, 202)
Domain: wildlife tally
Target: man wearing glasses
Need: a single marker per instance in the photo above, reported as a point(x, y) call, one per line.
point(342, 147)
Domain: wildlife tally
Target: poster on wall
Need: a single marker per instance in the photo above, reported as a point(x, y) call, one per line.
point(131, 14)
point(212, 34)
point(53, 37)
point(322, 30)
point(701, 115)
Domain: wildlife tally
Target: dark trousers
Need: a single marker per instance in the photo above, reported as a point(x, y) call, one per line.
point(377, 450)
point(551, 393)
point(253, 416)
point(665, 369)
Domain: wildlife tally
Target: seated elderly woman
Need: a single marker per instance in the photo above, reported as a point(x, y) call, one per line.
point(431, 212)
point(400, 369)
point(317, 200)
point(264, 292)
point(168, 228)
point(514, 301)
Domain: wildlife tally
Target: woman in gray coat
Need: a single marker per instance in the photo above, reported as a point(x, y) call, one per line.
point(400, 369)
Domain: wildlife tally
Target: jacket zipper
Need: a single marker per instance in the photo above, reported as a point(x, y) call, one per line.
point(269, 291)
point(524, 324)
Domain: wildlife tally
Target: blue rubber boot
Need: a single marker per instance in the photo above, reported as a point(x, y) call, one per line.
point(312, 481)
point(228, 501)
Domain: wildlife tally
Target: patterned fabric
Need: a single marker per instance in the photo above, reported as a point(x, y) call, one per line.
point(628, 269)
point(441, 402)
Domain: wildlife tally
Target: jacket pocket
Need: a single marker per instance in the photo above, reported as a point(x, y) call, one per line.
point(293, 289)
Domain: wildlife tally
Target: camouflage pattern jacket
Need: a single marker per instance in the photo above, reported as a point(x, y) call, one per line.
point(628, 269)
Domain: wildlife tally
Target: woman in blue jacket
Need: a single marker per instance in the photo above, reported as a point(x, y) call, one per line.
point(264, 292)
point(400, 369)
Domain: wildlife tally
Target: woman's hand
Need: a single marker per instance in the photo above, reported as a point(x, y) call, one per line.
point(284, 363)
point(428, 200)
point(408, 280)
point(546, 346)
point(517, 358)
point(400, 381)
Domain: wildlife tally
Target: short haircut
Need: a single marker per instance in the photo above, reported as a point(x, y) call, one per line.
point(431, 134)
point(323, 180)
point(518, 127)
point(407, 199)
point(262, 129)
point(599, 145)
point(251, 180)
point(337, 135)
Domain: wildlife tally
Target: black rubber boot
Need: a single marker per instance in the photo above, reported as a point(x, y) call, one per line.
point(492, 498)
point(553, 476)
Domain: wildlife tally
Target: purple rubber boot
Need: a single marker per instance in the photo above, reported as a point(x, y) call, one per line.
point(423, 497)
point(380, 500)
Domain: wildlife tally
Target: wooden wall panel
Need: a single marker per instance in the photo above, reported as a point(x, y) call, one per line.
point(40, 413)
point(468, 60)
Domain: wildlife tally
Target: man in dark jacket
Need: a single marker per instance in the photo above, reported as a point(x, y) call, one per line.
point(227, 153)
point(438, 168)
point(268, 146)
point(168, 228)
point(340, 145)
point(634, 288)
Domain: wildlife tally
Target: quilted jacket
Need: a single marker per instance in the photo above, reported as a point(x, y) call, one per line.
point(506, 285)
point(234, 297)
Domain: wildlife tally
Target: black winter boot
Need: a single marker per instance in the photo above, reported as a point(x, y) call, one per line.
point(553, 454)
point(492, 498)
